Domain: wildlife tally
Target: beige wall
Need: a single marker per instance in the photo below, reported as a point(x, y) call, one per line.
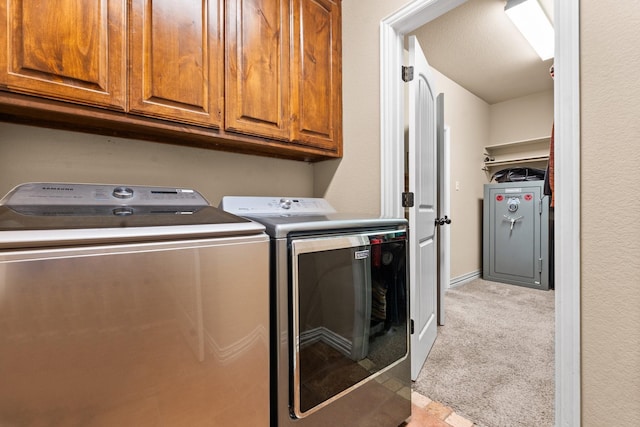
point(522, 118)
point(610, 241)
point(525, 118)
point(468, 118)
point(353, 183)
point(38, 154)
point(475, 124)
point(610, 219)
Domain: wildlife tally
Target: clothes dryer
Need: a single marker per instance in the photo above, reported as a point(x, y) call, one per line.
point(340, 311)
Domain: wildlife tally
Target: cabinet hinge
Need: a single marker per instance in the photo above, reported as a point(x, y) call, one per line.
point(407, 200)
point(407, 73)
point(412, 330)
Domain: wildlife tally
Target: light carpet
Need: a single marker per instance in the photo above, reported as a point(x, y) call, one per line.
point(493, 360)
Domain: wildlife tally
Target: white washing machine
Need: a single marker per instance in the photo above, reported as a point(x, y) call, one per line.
point(130, 306)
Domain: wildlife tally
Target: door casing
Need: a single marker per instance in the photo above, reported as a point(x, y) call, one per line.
point(567, 175)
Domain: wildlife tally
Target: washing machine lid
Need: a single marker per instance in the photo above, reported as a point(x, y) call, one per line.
point(44, 214)
point(285, 215)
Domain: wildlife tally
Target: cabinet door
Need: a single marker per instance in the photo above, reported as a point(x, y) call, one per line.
point(176, 60)
point(257, 68)
point(317, 74)
point(65, 49)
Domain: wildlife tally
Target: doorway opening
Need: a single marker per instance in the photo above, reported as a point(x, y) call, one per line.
point(566, 107)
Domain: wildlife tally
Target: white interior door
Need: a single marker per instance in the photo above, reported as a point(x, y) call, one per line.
point(422, 227)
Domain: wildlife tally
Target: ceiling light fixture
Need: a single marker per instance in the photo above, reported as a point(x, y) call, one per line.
point(530, 19)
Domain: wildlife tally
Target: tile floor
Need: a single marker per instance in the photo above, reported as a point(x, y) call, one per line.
point(427, 413)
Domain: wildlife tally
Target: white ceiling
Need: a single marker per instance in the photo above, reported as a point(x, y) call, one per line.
point(478, 47)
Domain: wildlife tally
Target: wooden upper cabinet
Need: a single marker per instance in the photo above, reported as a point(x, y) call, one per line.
point(257, 68)
point(176, 60)
point(65, 49)
point(258, 76)
point(317, 67)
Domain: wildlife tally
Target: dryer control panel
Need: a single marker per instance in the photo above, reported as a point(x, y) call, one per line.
point(256, 205)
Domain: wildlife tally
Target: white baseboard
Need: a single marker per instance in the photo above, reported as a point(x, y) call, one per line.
point(461, 280)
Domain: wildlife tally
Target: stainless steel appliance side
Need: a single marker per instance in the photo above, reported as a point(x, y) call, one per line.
point(171, 333)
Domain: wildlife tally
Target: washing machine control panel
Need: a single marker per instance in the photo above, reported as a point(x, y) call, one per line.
point(62, 194)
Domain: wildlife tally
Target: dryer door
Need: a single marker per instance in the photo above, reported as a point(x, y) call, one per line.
point(349, 313)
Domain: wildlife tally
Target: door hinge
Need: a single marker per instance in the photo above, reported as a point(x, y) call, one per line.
point(540, 265)
point(407, 73)
point(412, 330)
point(407, 199)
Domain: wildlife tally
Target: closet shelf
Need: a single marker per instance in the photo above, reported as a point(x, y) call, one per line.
point(523, 144)
point(506, 162)
point(528, 151)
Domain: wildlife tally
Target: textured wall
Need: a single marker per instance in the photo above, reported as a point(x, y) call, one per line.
point(610, 219)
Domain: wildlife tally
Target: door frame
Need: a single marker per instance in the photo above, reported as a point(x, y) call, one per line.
point(567, 177)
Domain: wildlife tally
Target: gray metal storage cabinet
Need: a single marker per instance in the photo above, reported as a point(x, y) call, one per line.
point(516, 234)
